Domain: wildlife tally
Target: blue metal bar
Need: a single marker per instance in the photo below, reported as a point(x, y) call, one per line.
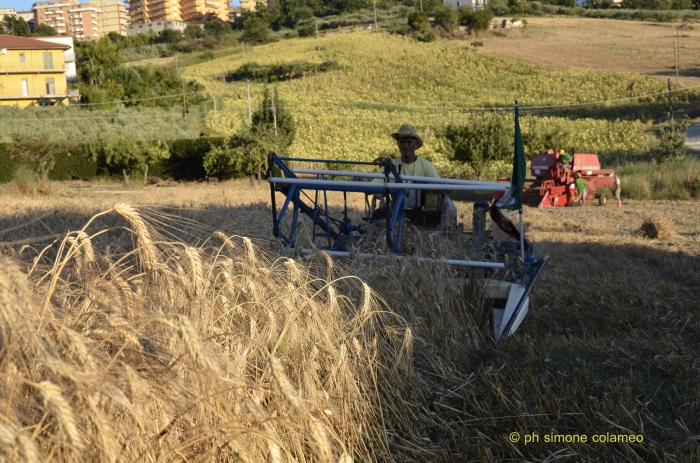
point(329, 161)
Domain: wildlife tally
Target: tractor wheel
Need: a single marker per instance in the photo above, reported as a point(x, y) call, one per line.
point(602, 200)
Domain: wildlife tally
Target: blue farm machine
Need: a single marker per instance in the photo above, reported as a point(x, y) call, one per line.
point(419, 200)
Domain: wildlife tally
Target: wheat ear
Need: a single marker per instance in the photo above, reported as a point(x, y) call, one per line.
point(143, 235)
point(62, 412)
point(195, 348)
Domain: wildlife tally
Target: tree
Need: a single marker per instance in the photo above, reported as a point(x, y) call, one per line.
point(447, 18)
point(216, 28)
point(418, 21)
point(480, 20)
point(246, 152)
point(672, 141)
point(124, 153)
point(44, 30)
point(193, 32)
point(153, 151)
point(256, 30)
point(486, 139)
point(95, 57)
point(40, 154)
point(170, 36)
point(14, 25)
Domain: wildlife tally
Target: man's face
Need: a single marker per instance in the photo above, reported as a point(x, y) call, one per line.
point(408, 147)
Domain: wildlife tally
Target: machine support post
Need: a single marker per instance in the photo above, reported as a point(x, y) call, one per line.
point(522, 244)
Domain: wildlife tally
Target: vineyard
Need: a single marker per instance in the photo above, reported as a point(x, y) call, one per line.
point(386, 80)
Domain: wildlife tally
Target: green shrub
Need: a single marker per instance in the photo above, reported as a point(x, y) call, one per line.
point(75, 166)
point(186, 160)
point(280, 71)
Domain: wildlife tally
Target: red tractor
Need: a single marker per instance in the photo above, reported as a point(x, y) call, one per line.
point(553, 184)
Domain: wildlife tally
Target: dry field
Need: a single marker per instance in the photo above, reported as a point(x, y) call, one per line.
point(626, 46)
point(157, 338)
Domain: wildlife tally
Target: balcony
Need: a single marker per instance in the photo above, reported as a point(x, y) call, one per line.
point(29, 68)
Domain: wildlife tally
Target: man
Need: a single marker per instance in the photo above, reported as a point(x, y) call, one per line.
point(617, 190)
point(580, 183)
point(410, 164)
point(564, 159)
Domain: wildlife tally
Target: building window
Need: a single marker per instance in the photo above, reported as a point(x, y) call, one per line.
point(48, 60)
point(169, 22)
point(25, 87)
point(140, 26)
point(21, 58)
point(49, 86)
point(150, 25)
point(159, 23)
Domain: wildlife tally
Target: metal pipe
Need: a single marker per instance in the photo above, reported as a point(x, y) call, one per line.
point(464, 263)
point(410, 178)
point(307, 182)
point(331, 161)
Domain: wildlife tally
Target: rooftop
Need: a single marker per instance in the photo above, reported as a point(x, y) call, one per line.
point(13, 42)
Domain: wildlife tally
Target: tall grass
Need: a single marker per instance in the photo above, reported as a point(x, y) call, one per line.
point(678, 179)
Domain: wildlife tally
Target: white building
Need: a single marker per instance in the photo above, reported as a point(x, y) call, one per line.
point(473, 4)
point(156, 27)
point(68, 55)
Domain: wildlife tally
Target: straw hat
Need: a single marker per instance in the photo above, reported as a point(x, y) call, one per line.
point(562, 151)
point(407, 131)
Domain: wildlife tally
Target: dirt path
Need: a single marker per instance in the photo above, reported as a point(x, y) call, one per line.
point(627, 46)
point(692, 137)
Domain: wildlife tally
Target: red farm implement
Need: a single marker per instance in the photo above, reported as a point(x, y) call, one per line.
point(553, 182)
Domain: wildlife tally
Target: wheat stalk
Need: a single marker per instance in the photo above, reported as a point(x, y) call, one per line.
point(142, 234)
point(61, 411)
point(194, 347)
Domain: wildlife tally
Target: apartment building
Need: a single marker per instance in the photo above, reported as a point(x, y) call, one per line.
point(156, 27)
point(31, 72)
point(143, 12)
point(248, 5)
point(114, 17)
point(69, 17)
point(7, 11)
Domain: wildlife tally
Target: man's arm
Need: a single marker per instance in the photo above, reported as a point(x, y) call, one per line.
point(431, 170)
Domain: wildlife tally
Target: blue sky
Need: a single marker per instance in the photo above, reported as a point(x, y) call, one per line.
point(26, 5)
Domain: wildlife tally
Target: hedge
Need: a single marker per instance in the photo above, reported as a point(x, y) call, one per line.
point(185, 162)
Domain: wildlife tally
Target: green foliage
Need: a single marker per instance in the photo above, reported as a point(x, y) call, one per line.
point(273, 129)
point(657, 15)
point(676, 179)
point(193, 31)
point(447, 18)
point(73, 166)
point(144, 52)
point(59, 124)
point(14, 25)
point(96, 57)
point(672, 141)
point(256, 30)
point(480, 20)
point(418, 22)
point(486, 139)
point(186, 161)
point(280, 71)
point(127, 153)
point(39, 154)
point(498, 7)
point(44, 30)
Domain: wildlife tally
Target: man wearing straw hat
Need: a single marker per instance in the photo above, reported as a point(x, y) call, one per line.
point(410, 164)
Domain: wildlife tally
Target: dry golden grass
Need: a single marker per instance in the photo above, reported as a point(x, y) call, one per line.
point(626, 46)
point(226, 346)
point(658, 227)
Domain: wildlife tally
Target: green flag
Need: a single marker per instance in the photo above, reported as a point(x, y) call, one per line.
point(513, 199)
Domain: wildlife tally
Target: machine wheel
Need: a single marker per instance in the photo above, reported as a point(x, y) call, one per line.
point(602, 199)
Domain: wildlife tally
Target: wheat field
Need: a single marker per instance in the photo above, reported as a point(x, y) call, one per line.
point(163, 324)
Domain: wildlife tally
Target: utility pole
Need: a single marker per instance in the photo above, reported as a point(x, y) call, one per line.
point(250, 115)
point(216, 121)
point(184, 101)
point(243, 46)
point(670, 101)
point(676, 53)
point(375, 15)
point(177, 68)
point(421, 5)
point(318, 41)
point(274, 111)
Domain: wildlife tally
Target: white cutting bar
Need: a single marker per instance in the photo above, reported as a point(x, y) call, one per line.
point(464, 263)
point(394, 186)
point(410, 178)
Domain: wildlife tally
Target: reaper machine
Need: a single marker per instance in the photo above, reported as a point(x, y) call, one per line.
point(421, 200)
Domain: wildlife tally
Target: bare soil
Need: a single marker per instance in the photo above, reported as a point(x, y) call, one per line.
point(626, 46)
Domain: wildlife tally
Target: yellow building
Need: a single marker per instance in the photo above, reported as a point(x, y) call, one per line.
point(32, 72)
point(189, 11)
